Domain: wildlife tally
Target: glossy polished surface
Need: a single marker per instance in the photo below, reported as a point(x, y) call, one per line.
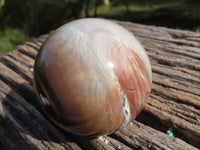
point(92, 77)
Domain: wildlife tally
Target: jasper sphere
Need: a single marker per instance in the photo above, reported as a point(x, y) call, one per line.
point(92, 77)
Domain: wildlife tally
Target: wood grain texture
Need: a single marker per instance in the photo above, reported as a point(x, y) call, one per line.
point(174, 101)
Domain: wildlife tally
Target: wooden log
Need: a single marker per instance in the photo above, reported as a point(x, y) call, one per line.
point(139, 136)
point(174, 101)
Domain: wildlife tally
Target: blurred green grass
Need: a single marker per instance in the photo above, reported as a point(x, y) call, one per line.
point(10, 38)
point(179, 14)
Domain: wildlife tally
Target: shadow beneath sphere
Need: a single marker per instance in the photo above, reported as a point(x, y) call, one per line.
point(24, 125)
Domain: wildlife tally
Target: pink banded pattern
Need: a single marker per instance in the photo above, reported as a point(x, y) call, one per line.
point(131, 73)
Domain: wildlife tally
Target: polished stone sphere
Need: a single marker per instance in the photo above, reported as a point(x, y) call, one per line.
point(92, 77)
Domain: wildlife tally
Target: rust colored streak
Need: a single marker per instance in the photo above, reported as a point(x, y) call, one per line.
point(132, 74)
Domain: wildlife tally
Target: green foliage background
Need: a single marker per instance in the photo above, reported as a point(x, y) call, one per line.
point(22, 20)
point(39, 16)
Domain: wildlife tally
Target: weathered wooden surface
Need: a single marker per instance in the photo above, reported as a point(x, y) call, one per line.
point(174, 101)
